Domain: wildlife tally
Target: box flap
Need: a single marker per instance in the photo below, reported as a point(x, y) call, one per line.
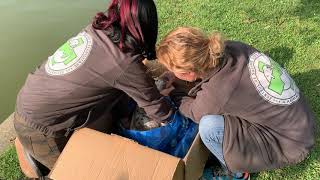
point(92, 155)
point(196, 159)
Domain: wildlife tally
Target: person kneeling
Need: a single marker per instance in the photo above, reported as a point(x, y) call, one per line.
point(252, 115)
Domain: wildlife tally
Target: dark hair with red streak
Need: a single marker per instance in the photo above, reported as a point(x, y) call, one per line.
point(131, 24)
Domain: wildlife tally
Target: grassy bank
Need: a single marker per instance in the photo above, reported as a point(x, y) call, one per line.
point(9, 165)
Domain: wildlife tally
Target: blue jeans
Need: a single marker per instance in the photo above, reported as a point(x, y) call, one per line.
point(211, 130)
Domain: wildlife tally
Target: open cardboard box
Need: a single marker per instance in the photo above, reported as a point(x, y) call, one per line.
point(93, 155)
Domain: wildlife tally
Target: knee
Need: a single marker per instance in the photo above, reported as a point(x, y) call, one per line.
point(209, 124)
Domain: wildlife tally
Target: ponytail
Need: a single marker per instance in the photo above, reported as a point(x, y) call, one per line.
point(215, 49)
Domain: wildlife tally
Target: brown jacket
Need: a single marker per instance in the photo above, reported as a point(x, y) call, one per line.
point(268, 123)
point(88, 70)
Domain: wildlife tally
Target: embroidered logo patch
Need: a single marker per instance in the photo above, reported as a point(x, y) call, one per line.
point(70, 56)
point(271, 81)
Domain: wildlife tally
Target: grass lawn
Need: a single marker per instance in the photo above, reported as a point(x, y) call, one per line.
point(287, 30)
point(9, 165)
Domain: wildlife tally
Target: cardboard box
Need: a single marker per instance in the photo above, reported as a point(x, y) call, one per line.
point(92, 155)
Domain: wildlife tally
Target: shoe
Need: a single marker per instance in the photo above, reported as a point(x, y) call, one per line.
point(209, 175)
point(242, 176)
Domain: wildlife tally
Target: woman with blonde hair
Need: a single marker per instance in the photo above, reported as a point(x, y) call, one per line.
point(251, 114)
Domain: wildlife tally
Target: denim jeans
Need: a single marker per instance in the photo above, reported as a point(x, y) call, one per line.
point(211, 130)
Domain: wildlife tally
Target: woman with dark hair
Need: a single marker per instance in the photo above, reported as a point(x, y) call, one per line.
point(84, 78)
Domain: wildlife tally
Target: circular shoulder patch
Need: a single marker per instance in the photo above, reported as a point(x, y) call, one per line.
point(272, 82)
point(70, 56)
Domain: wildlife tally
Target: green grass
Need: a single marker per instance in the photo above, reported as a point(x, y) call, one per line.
point(9, 165)
point(288, 30)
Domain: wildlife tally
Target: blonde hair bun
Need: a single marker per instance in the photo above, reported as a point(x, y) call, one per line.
point(190, 49)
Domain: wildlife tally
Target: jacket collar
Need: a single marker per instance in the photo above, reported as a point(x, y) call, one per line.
point(209, 75)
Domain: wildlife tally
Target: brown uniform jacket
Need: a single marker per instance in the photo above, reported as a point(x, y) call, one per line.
point(268, 123)
point(88, 70)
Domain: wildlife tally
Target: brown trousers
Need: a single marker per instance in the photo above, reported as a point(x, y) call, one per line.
point(47, 149)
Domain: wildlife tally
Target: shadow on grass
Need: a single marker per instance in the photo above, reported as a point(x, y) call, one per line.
point(281, 54)
point(309, 85)
point(308, 9)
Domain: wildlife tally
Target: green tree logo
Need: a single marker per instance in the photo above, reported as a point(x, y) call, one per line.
point(272, 82)
point(70, 56)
